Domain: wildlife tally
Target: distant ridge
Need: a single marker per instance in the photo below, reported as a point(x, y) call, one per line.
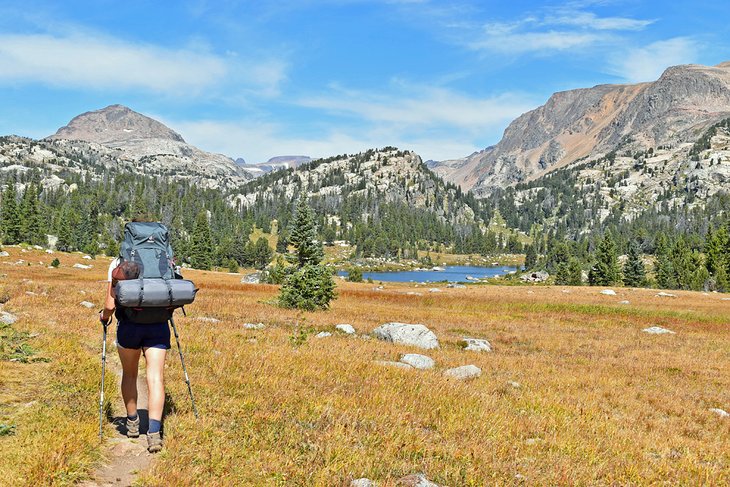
point(591, 122)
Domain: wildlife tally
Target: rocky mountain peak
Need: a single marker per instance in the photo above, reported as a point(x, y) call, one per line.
point(590, 122)
point(115, 126)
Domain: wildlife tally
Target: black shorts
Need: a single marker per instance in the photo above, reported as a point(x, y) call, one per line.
point(136, 336)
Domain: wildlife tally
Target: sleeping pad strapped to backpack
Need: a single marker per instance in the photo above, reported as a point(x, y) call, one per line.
point(157, 291)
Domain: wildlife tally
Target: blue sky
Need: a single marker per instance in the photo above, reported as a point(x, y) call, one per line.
point(257, 79)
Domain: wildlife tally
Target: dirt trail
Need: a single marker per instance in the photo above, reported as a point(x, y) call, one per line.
point(125, 457)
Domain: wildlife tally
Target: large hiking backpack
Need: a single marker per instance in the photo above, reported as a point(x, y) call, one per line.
point(155, 294)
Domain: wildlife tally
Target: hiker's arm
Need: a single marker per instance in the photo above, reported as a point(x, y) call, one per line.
point(109, 305)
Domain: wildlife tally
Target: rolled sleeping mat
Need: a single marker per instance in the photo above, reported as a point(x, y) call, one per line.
point(155, 293)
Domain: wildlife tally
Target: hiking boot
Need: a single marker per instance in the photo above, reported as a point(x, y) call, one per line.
point(133, 428)
point(154, 442)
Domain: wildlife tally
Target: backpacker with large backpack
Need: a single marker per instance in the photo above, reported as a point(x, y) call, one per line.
point(157, 290)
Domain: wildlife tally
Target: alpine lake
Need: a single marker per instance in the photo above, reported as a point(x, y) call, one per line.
point(458, 274)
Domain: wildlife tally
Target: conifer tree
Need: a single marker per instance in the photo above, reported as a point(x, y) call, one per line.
point(262, 253)
point(310, 285)
point(530, 257)
point(11, 223)
point(32, 230)
point(663, 269)
point(201, 248)
point(575, 272)
point(303, 236)
point(605, 272)
point(634, 271)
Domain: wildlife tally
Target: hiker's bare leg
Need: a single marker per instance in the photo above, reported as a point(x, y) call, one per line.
point(130, 364)
point(155, 383)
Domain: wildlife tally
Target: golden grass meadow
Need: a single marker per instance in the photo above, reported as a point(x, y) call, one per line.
point(599, 402)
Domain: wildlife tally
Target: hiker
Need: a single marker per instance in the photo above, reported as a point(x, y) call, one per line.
point(133, 340)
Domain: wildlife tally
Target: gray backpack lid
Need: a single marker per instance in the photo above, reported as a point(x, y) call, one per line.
point(148, 245)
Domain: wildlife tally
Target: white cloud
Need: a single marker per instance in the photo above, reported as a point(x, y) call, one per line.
point(544, 31)
point(647, 63)
point(592, 21)
point(526, 42)
point(83, 60)
point(418, 106)
point(257, 142)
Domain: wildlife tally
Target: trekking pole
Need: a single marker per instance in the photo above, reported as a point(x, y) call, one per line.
point(185, 371)
point(103, 374)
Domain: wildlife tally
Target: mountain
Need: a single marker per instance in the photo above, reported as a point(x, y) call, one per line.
point(152, 147)
point(274, 164)
point(384, 201)
point(586, 124)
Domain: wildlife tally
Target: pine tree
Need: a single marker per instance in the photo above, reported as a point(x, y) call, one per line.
point(310, 286)
point(663, 269)
point(11, 222)
point(201, 248)
point(634, 271)
point(32, 230)
point(575, 272)
point(64, 231)
point(262, 253)
point(530, 257)
point(303, 236)
point(605, 272)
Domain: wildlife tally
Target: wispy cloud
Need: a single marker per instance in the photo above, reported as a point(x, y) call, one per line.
point(436, 122)
point(647, 63)
point(95, 61)
point(257, 141)
point(543, 31)
point(422, 106)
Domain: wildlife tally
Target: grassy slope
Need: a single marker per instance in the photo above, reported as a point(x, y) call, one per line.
point(599, 403)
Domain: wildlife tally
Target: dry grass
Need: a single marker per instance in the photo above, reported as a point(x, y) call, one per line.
point(600, 402)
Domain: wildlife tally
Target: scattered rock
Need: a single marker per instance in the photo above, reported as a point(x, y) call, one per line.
point(662, 294)
point(407, 334)
point(566, 291)
point(514, 384)
point(623, 302)
point(323, 334)
point(253, 278)
point(434, 290)
point(378, 288)
point(345, 328)
point(720, 412)
point(417, 361)
point(254, 326)
point(532, 441)
point(208, 319)
point(540, 276)
point(724, 299)
point(530, 292)
point(363, 482)
point(608, 292)
point(657, 330)
point(464, 372)
point(476, 344)
point(4, 254)
point(416, 480)
point(31, 293)
point(49, 251)
point(413, 293)
point(87, 257)
point(86, 304)
point(7, 318)
point(82, 266)
point(391, 363)
point(456, 286)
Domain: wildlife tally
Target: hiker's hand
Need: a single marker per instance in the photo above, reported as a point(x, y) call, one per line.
point(103, 321)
